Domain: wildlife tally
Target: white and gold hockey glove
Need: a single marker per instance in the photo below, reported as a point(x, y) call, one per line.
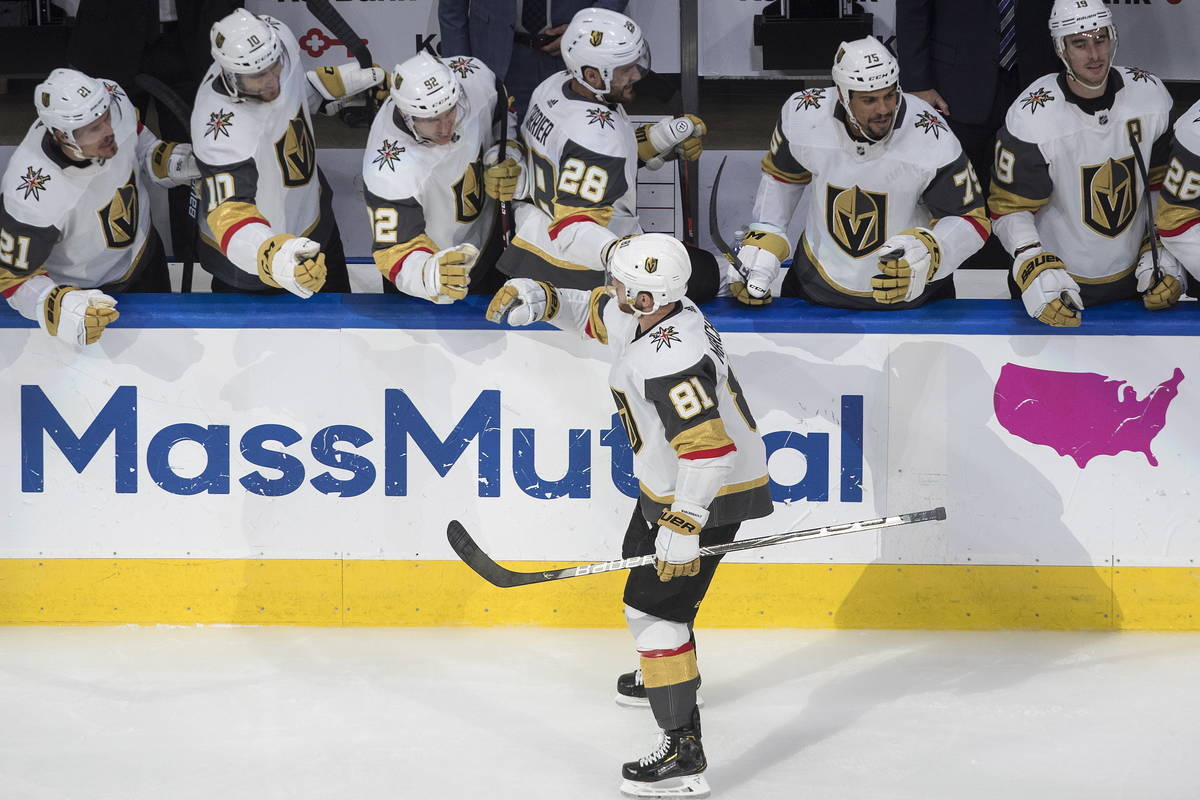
point(173, 162)
point(677, 543)
point(522, 301)
point(1169, 288)
point(908, 261)
point(657, 140)
point(1048, 291)
point(75, 315)
point(764, 247)
point(505, 180)
point(292, 263)
point(336, 84)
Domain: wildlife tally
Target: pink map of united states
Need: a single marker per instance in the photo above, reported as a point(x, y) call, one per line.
point(1081, 414)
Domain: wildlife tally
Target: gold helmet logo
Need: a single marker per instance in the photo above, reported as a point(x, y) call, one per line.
point(1110, 195)
point(397, 80)
point(651, 265)
point(596, 38)
point(119, 219)
point(297, 153)
point(856, 219)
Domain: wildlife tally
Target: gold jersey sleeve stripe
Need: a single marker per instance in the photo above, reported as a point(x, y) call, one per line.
point(10, 281)
point(1001, 201)
point(227, 218)
point(1156, 176)
point(668, 670)
point(389, 261)
point(768, 166)
point(709, 438)
point(978, 217)
point(1172, 219)
point(566, 215)
point(595, 324)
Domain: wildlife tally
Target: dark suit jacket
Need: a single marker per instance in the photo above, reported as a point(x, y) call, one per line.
point(484, 28)
point(953, 46)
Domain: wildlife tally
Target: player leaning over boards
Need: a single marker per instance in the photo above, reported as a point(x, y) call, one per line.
point(75, 214)
point(895, 205)
point(432, 200)
point(1178, 217)
point(1067, 196)
point(268, 224)
point(700, 463)
point(584, 155)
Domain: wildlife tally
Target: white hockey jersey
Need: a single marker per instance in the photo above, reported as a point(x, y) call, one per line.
point(86, 226)
point(1077, 173)
point(1178, 216)
point(861, 193)
point(258, 160)
point(678, 399)
point(424, 196)
point(582, 164)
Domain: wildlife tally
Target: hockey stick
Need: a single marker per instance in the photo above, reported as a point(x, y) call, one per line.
point(1151, 231)
point(331, 18)
point(167, 98)
point(497, 575)
point(500, 117)
point(714, 227)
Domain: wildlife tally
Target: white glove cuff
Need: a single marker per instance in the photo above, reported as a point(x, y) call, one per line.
point(243, 246)
point(582, 242)
point(30, 298)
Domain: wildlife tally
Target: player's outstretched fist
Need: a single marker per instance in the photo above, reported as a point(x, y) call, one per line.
point(684, 135)
point(293, 263)
point(77, 315)
point(345, 80)
point(907, 262)
point(1172, 280)
point(1048, 291)
point(522, 301)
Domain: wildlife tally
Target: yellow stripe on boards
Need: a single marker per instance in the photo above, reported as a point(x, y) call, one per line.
point(338, 592)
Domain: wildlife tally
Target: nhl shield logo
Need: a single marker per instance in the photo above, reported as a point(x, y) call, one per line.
point(1110, 195)
point(296, 152)
point(856, 219)
point(119, 219)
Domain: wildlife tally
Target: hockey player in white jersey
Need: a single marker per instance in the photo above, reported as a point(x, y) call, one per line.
point(894, 207)
point(432, 181)
point(699, 460)
point(267, 223)
point(583, 159)
point(1067, 194)
point(1178, 215)
point(75, 213)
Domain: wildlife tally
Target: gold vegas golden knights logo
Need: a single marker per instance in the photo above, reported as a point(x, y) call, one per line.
point(1110, 195)
point(119, 219)
point(596, 38)
point(297, 152)
point(468, 193)
point(856, 219)
point(651, 265)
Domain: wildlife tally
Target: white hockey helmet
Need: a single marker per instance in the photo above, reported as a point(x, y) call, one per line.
point(68, 100)
point(244, 44)
point(604, 40)
point(864, 65)
point(651, 262)
point(424, 87)
point(1069, 17)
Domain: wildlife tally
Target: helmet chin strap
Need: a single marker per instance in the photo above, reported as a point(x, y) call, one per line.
point(1094, 88)
point(863, 131)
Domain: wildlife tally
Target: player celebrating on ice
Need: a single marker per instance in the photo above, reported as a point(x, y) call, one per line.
point(897, 206)
point(699, 460)
point(75, 215)
point(432, 201)
point(1068, 179)
point(268, 222)
point(584, 155)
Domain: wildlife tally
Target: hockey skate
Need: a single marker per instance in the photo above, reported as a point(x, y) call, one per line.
point(631, 692)
point(674, 769)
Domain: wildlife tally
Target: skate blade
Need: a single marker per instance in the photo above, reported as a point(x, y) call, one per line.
point(625, 701)
point(687, 786)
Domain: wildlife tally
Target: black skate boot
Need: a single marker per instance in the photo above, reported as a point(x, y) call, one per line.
point(631, 692)
point(674, 769)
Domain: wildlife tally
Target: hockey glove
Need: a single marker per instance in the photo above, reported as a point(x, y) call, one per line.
point(504, 181)
point(77, 315)
point(1048, 291)
point(345, 80)
point(293, 263)
point(1166, 292)
point(522, 301)
point(907, 262)
point(682, 134)
point(677, 544)
point(763, 248)
point(173, 162)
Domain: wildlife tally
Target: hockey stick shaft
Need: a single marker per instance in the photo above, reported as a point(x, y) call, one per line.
point(471, 554)
point(1151, 232)
point(331, 18)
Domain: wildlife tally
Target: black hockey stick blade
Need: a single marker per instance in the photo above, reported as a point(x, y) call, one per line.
point(167, 98)
point(714, 227)
point(483, 565)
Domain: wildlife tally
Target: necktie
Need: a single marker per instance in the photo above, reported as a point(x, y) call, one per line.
point(533, 16)
point(1008, 32)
